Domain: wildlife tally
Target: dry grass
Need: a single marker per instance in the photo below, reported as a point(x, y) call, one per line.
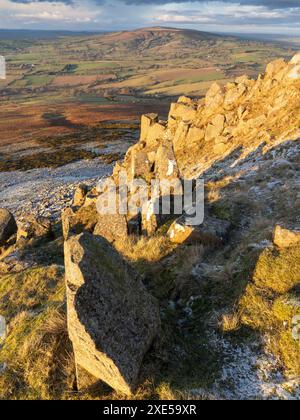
point(230, 322)
point(37, 351)
point(144, 249)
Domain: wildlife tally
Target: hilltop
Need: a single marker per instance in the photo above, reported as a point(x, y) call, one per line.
point(158, 308)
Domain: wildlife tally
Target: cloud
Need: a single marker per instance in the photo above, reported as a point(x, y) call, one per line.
point(271, 4)
point(36, 12)
point(209, 15)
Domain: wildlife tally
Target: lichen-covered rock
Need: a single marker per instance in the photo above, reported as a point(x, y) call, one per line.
point(112, 227)
point(284, 238)
point(8, 226)
point(141, 167)
point(112, 319)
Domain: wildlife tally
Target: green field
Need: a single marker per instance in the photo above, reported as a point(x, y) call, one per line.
point(135, 64)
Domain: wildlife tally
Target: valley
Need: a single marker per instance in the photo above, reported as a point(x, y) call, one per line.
point(64, 86)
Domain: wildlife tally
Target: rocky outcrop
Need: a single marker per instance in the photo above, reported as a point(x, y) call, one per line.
point(8, 226)
point(230, 138)
point(112, 319)
point(239, 117)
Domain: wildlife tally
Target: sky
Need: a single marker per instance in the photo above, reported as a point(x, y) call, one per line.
point(240, 16)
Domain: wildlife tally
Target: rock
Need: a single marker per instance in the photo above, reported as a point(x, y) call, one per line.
point(150, 220)
point(179, 233)
point(220, 148)
point(214, 96)
point(146, 122)
point(3, 367)
point(295, 59)
point(34, 227)
point(3, 328)
point(182, 111)
point(67, 216)
point(79, 195)
point(215, 129)
point(155, 134)
point(180, 137)
point(8, 226)
point(284, 238)
point(212, 232)
point(275, 67)
point(141, 167)
point(186, 100)
point(294, 74)
point(111, 227)
point(194, 136)
point(234, 95)
point(166, 167)
point(85, 219)
point(112, 319)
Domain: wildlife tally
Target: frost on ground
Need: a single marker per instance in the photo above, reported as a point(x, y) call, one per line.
point(248, 373)
point(45, 192)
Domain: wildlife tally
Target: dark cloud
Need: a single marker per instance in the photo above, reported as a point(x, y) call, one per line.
point(271, 4)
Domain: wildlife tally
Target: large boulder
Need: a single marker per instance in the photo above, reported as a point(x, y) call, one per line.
point(8, 226)
point(112, 319)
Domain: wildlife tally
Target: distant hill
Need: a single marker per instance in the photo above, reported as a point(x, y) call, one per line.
point(158, 40)
point(26, 34)
point(147, 62)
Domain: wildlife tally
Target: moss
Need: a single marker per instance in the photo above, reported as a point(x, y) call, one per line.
point(270, 305)
point(286, 307)
point(278, 271)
